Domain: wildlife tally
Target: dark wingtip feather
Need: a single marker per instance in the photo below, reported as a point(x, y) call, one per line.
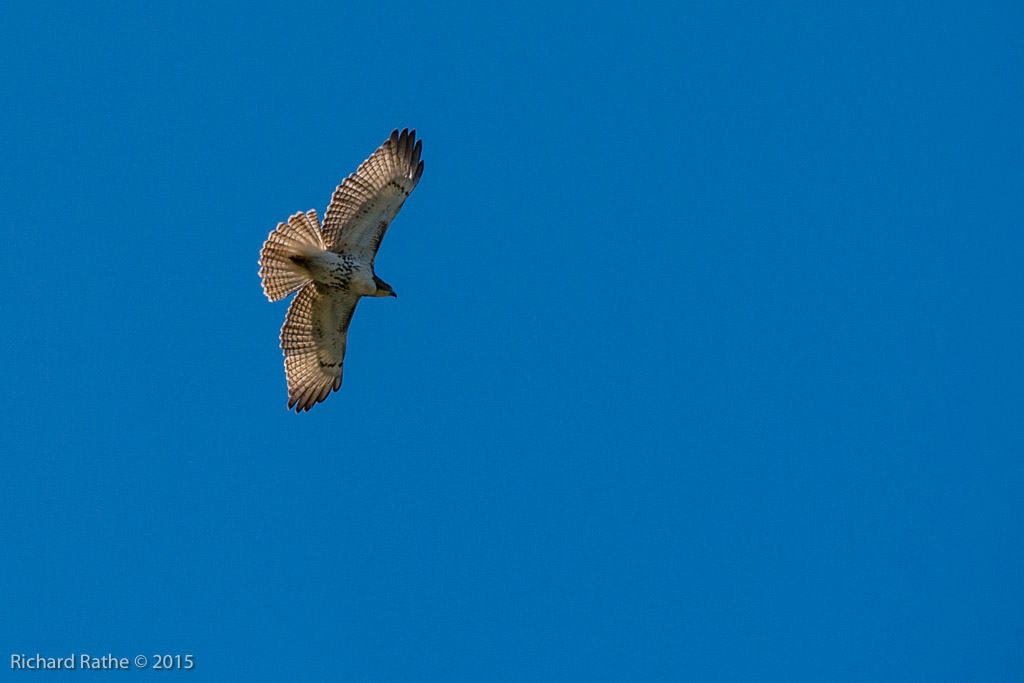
point(416, 152)
point(403, 144)
point(304, 402)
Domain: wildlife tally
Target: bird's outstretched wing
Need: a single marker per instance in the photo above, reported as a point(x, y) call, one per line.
point(366, 202)
point(313, 340)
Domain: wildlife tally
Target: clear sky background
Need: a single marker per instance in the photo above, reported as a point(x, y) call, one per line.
point(706, 361)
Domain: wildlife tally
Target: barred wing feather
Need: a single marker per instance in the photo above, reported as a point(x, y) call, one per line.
point(313, 339)
point(366, 202)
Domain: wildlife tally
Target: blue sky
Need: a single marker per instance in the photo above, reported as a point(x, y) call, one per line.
point(705, 365)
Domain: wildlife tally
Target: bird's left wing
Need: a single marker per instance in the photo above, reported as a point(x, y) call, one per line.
point(364, 205)
point(313, 339)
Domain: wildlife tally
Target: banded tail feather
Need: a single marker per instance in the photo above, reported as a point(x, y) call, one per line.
point(285, 247)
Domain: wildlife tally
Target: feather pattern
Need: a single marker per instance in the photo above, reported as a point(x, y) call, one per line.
point(366, 202)
point(313, 340)
point(280, 278)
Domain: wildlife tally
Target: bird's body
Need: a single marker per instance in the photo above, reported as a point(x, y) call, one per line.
point(332, 266)
point(343, 272)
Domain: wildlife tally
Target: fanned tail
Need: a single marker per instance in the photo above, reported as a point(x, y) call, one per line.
point(300, 236)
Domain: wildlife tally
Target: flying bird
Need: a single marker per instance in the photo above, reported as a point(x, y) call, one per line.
point(331, 266)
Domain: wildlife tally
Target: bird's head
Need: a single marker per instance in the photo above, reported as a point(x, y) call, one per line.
point(383, 288)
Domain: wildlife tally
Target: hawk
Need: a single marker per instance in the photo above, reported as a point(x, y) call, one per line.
point(331, 266)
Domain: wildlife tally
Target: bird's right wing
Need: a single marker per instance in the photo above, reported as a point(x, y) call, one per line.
point(364, 205)
point(313, 340)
